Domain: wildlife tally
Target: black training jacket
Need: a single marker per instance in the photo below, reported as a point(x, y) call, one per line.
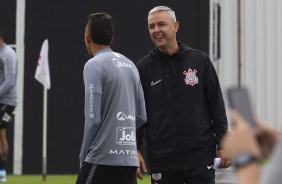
point(185, 109)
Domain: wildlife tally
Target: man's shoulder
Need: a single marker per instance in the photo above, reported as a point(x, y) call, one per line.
point(94, 62)
point(107, 59)
point(109, 56)
point(8, 51)
point(198, 53)
point(144, 60)
point(99, 58)
point(198, 56)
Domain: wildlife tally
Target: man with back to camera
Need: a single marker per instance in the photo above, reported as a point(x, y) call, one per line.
point(114, 108)
point(185, 108)
point(8, 98)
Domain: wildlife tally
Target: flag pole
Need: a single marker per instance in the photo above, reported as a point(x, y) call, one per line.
point(44, 152)
point(42, 74)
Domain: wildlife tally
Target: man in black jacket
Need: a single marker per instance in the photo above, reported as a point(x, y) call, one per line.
point(185, 108)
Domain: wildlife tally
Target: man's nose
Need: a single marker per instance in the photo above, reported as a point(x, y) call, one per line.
point(156, 29)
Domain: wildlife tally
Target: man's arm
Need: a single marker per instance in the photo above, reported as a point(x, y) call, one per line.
point(239, 143)
point(215, 103)
point(10, 72)
point(139, 140)
point(141, 116)
point(249, 174)
point(93, 99)
point(142, 166)
point(140, 130)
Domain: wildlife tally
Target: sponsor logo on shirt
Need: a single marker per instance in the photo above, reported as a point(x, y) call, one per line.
point(132, 153)
point(122, 116)
point(209, 167)
point(91, 101)
point(123, 152)
point(154, 83)
point(191, 77)
point(126, 136)
point(119, 63)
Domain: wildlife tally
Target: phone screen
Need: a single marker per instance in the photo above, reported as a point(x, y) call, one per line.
point(239, 100)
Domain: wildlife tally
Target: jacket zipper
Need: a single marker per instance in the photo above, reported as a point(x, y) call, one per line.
point(172, 67)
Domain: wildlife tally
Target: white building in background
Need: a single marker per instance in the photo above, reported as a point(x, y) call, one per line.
point(257, 48)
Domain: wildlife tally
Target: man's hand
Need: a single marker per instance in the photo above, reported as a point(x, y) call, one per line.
point(225, 159)
point(267, 138)
point(142, 166)
point(240, 139)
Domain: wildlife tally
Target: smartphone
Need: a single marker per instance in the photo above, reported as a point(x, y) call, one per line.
point(239, 100)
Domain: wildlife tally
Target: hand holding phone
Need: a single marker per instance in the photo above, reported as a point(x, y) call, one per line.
point(239, 100)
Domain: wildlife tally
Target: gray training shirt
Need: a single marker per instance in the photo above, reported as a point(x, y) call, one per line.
point(8, 76)
point(114, 108)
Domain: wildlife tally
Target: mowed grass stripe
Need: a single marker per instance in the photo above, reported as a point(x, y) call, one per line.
point(54, 179)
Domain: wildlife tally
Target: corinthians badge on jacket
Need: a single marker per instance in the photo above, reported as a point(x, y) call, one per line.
point(191, 77)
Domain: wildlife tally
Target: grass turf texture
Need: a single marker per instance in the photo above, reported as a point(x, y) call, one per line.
point(53, 179)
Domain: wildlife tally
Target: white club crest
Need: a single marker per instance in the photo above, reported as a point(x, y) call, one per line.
point(156, 176)
point(191, 77)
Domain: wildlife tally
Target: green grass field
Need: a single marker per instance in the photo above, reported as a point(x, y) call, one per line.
point(53, 179)
point(146, 179)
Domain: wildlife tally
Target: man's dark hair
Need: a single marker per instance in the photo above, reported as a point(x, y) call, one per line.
point(101, 28)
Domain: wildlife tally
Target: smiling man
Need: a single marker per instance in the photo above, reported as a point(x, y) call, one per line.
point(185, 108)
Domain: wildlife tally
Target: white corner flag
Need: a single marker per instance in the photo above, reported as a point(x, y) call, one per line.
point(42, 73)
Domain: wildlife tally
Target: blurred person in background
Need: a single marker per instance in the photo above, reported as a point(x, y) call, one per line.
point(8, 98)
point(249, 146)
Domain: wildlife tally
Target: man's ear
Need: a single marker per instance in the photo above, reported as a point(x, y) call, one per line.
point(88, 38)
point(176, 26)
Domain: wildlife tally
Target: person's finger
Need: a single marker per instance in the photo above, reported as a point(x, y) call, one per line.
point(260, 127)
point(238, 121)
point(222, 163)
point(143, 166)
point(229, 162)
point(225, 162)
point(139, 174)
point(236, 117)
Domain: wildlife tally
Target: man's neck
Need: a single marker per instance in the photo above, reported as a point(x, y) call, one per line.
point(97, 47)
point(170, 50)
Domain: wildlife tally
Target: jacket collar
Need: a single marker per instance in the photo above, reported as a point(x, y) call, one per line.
point(158, 54)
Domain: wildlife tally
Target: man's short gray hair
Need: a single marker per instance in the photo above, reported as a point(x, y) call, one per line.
point(170, 12)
